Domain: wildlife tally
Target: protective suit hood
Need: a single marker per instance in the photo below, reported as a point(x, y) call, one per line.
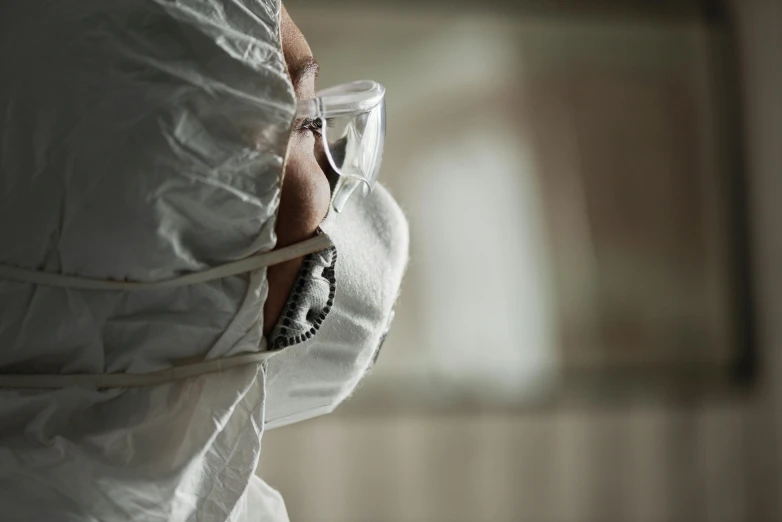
point(141, 139)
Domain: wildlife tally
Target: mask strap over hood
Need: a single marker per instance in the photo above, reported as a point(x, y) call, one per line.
point(130, 380)
point(249, 264)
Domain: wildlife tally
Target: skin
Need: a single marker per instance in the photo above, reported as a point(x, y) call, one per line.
point(306, 193)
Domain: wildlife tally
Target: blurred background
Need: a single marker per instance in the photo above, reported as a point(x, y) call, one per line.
point(588, 330)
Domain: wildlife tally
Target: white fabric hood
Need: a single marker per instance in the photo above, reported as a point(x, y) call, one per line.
point(140, 140)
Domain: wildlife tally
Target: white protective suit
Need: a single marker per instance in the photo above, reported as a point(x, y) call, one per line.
point(141, 140)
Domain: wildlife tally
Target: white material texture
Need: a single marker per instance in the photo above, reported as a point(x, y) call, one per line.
point(140, 140)
point(312, 378)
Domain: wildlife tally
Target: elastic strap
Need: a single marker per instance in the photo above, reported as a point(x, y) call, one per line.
point(131, 380)
point(175, 373)
point(242, 266)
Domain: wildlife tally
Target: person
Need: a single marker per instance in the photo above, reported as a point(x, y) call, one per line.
point(195, 250)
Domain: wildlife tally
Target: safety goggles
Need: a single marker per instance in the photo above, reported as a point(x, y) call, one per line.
point(352, 120)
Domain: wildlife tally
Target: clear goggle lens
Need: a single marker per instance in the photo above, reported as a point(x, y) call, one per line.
point(353, 134)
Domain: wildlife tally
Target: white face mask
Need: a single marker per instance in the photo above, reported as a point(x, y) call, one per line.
point(311, 378)
point(316, 372)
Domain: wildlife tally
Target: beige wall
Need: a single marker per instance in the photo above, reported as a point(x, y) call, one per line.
point(717, 460)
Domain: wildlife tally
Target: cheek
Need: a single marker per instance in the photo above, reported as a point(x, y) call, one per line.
point(306, 193)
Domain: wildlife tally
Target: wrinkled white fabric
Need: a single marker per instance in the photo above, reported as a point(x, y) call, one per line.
point(313, 377)
point(263, 503)
point(140, 140)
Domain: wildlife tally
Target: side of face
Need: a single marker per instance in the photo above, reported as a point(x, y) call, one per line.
point(306, 193)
